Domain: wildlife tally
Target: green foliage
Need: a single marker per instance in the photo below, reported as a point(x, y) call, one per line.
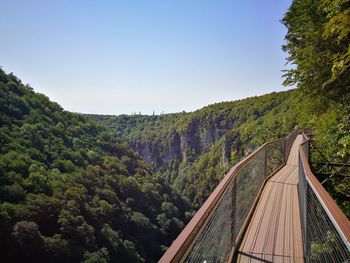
point(321, 248)
point(72, 191)
point(100, 256)
point(318, 43)
point(193, 151)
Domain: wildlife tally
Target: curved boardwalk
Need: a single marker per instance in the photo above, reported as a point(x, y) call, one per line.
point(274, 233)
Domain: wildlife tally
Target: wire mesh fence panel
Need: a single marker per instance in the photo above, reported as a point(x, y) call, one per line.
point(289, 143)
point(275, 156)
point(324, 244)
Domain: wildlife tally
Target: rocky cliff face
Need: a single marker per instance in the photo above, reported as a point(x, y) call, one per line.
point(185, 145)
point(193, 151)
point(181, 144)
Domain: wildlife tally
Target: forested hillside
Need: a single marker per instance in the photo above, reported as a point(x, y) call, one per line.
point(71, 191)
point(192, 151)
point(183, 136)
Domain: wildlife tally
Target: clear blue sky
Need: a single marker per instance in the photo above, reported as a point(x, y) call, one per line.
point(127, 56)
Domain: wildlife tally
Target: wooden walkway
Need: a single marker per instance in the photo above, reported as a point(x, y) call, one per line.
point(274, 233)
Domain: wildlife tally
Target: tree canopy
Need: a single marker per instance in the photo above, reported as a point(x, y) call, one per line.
point(318, 44)
point(72, 191)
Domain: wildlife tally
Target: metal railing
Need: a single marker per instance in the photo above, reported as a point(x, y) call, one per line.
point(325, 229)
point(215, 232)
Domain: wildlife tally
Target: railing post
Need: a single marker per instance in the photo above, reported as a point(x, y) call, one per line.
point(286, 152)
point(265, 160)
point(233, 212)
point(307, 241)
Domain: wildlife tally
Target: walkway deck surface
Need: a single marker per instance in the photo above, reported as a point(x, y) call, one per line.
point(274, 233)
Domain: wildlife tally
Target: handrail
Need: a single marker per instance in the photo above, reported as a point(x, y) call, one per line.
point(178, 249)
point(311, 189)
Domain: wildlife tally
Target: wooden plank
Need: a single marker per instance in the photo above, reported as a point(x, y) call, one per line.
point(287, 230)
point(286, 175)
point(281, 226)
point(298, 240)
point(276, 205)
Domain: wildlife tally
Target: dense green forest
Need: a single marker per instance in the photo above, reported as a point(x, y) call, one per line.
point(193, 151)
point(71, 191)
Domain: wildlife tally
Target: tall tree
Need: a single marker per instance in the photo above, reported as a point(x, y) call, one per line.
point(318, 44)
